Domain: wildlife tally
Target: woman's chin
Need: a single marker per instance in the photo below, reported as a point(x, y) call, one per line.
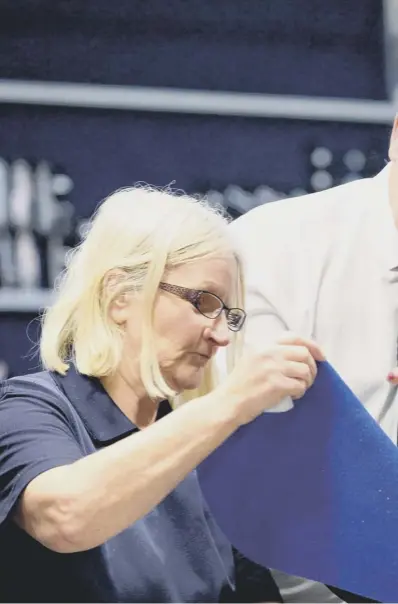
point(189, 380)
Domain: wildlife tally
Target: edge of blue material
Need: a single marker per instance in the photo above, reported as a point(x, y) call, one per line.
point(312, 491)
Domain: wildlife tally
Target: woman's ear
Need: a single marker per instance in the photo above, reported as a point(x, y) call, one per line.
point(119, 307)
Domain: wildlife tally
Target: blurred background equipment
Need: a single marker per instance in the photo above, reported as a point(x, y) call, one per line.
point(248, 102)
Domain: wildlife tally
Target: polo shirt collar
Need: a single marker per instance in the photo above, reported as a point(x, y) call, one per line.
point(384, 225)
point(103, 419)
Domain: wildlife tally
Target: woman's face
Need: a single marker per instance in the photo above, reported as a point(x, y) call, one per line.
point(186, 339)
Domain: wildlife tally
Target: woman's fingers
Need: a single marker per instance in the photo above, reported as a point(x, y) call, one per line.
point(314, 348)
point(301, 371)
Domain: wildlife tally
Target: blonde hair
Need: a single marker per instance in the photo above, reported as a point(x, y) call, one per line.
point(136, 235)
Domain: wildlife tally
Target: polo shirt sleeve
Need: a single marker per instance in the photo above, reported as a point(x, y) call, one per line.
point(36, 435)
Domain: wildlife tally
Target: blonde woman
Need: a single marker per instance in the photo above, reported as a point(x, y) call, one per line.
point(99, 501)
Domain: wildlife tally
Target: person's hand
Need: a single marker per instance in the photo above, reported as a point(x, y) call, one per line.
point(393, 377)
point(262, 380)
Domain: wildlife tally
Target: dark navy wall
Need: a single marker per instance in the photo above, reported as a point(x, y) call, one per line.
point(285, 47)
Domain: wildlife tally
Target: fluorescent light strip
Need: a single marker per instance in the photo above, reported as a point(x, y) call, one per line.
point(200, 102)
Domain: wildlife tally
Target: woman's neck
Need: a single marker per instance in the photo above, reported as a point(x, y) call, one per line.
point(131, 398)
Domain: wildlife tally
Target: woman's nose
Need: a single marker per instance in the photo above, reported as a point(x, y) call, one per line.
point(220, 332)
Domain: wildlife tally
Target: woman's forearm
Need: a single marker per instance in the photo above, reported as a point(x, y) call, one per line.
point(77, 507)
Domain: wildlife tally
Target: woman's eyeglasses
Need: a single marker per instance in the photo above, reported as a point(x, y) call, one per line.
point(208, 304)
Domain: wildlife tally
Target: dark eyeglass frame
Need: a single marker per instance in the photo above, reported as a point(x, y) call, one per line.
point(193, 296)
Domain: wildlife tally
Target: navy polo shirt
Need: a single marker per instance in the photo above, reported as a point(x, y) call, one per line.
point(176, 553)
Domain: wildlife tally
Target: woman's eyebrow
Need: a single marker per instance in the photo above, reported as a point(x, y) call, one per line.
point(210, 286)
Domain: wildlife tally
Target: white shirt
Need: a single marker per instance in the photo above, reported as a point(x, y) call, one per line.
point(322, 266)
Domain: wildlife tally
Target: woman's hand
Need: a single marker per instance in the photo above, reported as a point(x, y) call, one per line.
point(262, 380)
